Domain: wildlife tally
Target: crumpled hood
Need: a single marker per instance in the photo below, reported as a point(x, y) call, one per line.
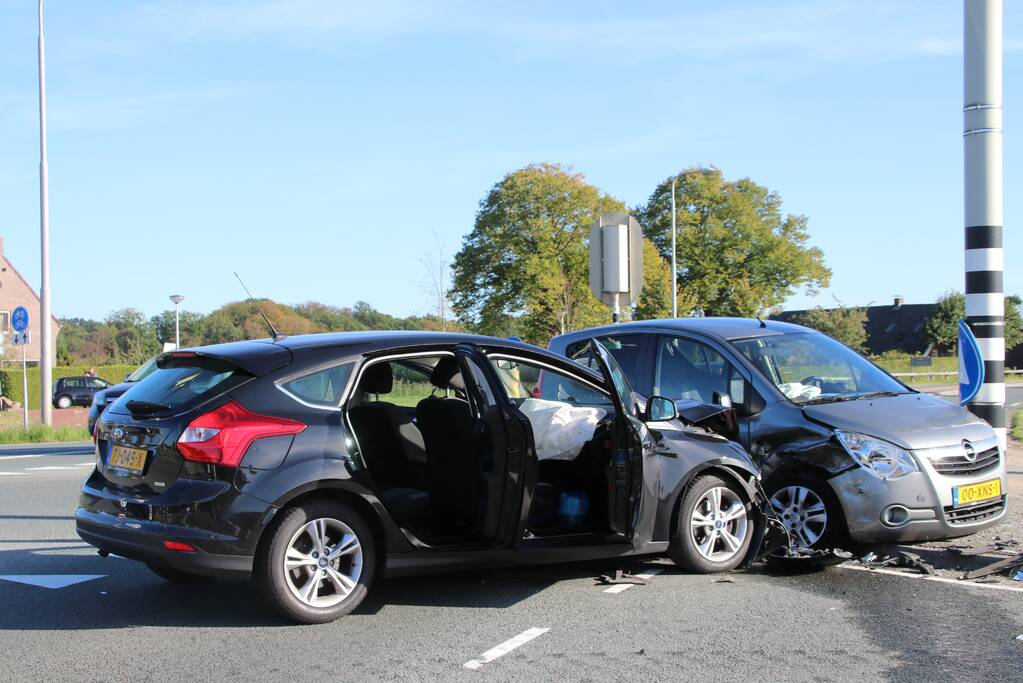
point(913, 421)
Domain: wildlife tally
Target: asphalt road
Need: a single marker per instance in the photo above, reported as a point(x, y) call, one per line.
point(67, 614)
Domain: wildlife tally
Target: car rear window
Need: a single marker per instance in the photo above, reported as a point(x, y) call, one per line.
point(177, 387)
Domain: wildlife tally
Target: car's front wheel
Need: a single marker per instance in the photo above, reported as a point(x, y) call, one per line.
point(318, 562)
point(714, 528)
point(64, 402)
point(809, 510)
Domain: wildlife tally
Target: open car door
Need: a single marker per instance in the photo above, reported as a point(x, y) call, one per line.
point(626, 462)
point(504, 449)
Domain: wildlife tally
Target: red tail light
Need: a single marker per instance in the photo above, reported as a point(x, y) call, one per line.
point(221, 437)
point(180, 547)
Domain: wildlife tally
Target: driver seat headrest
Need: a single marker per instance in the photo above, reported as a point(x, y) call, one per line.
point(444, 372)
point(378, 379)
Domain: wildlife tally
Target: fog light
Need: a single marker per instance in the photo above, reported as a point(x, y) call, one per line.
point(895, 515)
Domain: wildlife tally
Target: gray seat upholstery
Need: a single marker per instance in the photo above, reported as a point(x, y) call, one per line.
point(390, 443)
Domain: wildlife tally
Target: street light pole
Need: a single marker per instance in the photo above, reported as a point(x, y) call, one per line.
point(985, 258)
point(177, 299)
point(674, 270)
point(45, 328)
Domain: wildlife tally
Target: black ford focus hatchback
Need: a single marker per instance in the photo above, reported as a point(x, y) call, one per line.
point(316, 463)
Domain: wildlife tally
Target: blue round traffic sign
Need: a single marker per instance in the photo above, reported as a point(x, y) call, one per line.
point(19, 319)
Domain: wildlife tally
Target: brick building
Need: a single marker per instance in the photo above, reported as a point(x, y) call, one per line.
point(15, 291)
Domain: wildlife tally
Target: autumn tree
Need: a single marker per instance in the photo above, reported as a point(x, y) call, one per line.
point(527, 256)
point(847, 324)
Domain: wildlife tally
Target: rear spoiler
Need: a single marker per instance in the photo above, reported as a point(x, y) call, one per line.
point(252, 357)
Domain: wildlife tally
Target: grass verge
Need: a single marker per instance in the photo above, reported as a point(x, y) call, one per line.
point(1017, 426)
point(43, 434)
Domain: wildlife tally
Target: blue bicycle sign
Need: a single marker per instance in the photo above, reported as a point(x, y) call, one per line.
point(19, 319)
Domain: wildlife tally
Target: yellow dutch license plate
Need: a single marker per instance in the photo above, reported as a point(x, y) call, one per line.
point(961, 495)
point(126, 458)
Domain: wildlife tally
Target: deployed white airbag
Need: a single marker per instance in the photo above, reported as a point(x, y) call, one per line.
point(798, 390)
point(560, 429)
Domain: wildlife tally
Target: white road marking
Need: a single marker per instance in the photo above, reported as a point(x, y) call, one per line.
point(50, 467)
point(11, 473)
point(505, 647)
point(940, 579)
point(618, 588)
point(51, 580)
point(18, 457)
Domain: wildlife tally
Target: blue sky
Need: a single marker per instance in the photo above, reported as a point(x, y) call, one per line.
point(320, 147)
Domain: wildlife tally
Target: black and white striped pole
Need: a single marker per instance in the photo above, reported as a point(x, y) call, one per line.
point(982, 142)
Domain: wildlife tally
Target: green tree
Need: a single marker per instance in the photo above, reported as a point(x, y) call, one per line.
point(526, 255)
point(737, 254)
point(847, 324)
point(655, 298)
point(941, 326)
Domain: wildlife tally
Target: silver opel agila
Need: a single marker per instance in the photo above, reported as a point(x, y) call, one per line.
point(848, 453)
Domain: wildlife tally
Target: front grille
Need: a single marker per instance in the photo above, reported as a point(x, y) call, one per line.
point(959, 466)
point(974, 513)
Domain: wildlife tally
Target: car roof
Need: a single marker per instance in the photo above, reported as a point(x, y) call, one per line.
point(261, 356)
point(722, 328)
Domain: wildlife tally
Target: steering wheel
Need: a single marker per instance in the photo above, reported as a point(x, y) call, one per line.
point(812, 380)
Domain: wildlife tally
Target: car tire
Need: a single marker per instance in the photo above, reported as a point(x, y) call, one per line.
point(178, 576)
point(329, 575)
point(794, 495)
point(64, 402)
point(712, 537)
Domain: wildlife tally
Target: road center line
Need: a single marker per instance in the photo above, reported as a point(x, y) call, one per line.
point(618, 588)
point(940, 579)
point(11, 473)
point(505, 647)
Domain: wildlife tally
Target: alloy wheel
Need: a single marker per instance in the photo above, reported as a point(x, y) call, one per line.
point(323, 562)
point(802, 512)
point(719, 524)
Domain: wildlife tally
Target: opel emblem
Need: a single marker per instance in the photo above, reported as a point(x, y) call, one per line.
point(970, 453)
point(117, 433)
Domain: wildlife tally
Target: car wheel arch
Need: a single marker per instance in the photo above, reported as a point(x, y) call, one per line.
point(336, 492)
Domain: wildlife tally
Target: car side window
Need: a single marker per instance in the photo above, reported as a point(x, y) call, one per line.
point(96, 383)
point(688, 369)
point(73, 383)
point(523, 380)
point(322, 388)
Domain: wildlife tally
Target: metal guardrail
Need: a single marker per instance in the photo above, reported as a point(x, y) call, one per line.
point(943, 374)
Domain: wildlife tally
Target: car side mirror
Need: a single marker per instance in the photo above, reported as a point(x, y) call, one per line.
point(660, 409)
point(723, 400)
point(127, 376)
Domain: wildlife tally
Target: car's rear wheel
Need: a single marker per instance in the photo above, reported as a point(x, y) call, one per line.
point(176, 575)
point(63, 401)
point(318, 562)
point(714, 529)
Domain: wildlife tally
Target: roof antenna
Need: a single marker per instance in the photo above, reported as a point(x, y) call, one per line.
point(273, 330)
point(762, 323)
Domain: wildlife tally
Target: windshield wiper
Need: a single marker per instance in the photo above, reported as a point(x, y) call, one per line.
point(145, 406)
point(852, 397)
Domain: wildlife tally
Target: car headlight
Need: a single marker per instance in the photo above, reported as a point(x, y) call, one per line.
point(880, 458)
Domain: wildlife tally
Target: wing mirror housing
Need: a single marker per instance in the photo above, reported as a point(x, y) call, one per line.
point(660, 409)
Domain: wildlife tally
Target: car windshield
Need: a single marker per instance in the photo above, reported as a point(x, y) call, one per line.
point(814, 368)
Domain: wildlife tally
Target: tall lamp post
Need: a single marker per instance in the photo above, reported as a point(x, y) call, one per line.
point(177, 299)
point(674, 269)
point(45, 328)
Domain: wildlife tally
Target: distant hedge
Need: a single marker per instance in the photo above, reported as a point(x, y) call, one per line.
point(10, 379)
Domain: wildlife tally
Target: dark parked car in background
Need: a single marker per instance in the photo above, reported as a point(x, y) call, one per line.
point(849, 454)
point(315, 463)
point(76, 391)
point(101, 399)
